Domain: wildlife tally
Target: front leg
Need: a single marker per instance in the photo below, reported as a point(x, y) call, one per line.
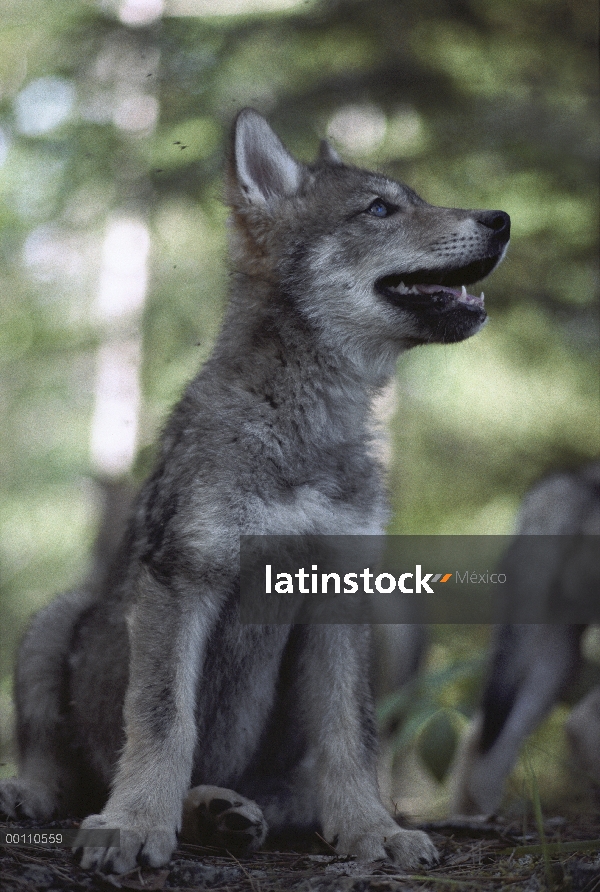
point(342, 734)
point(168, 635)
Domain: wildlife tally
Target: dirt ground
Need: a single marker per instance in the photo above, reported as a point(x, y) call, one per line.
point(488, 856)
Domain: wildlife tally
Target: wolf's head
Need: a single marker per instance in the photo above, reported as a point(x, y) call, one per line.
point(362, 257)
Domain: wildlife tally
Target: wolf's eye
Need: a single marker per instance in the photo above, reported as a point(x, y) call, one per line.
point(378, 208)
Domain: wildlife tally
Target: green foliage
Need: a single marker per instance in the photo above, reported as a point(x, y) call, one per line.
point(437, 743)
point(431, 711)
point(539, 821)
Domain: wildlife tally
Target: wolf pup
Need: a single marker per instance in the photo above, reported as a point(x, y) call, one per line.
point(128, 696)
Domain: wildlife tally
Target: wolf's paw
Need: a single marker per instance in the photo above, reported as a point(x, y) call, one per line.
point(411, 849)
point(407, 849)
point(217, 817)
point(20, 798)
point(150, 846)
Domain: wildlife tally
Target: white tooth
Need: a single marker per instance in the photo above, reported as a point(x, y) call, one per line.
point(463, 293)
point(482, 296)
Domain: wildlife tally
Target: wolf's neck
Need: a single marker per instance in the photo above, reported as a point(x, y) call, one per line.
point(273, 354)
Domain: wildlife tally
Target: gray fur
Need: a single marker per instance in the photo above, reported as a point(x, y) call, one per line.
point(533, 663)
point(150, 684)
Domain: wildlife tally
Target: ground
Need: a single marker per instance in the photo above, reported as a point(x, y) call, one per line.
point(487, 856)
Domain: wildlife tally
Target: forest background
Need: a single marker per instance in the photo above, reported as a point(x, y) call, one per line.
point(113, 124)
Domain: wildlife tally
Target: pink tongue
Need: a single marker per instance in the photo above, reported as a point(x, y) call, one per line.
point(457, 292)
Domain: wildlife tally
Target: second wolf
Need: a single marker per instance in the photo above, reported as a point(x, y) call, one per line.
point(532, 664)
point(129, 695)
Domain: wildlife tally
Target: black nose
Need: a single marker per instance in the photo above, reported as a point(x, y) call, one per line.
point(498, 221)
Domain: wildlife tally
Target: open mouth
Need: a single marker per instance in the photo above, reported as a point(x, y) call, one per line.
point(437, 288)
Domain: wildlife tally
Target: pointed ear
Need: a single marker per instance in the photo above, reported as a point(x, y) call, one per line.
point(328, 154)
point(263, 168)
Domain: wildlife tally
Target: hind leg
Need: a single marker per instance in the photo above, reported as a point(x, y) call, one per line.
point(531, 666)
point(45, 780)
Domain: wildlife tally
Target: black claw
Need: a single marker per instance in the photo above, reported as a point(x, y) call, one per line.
point(235, 821)
point(216, 806)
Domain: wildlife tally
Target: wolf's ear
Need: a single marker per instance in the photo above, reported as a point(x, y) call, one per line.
point(328, 154)
point(262, 166)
